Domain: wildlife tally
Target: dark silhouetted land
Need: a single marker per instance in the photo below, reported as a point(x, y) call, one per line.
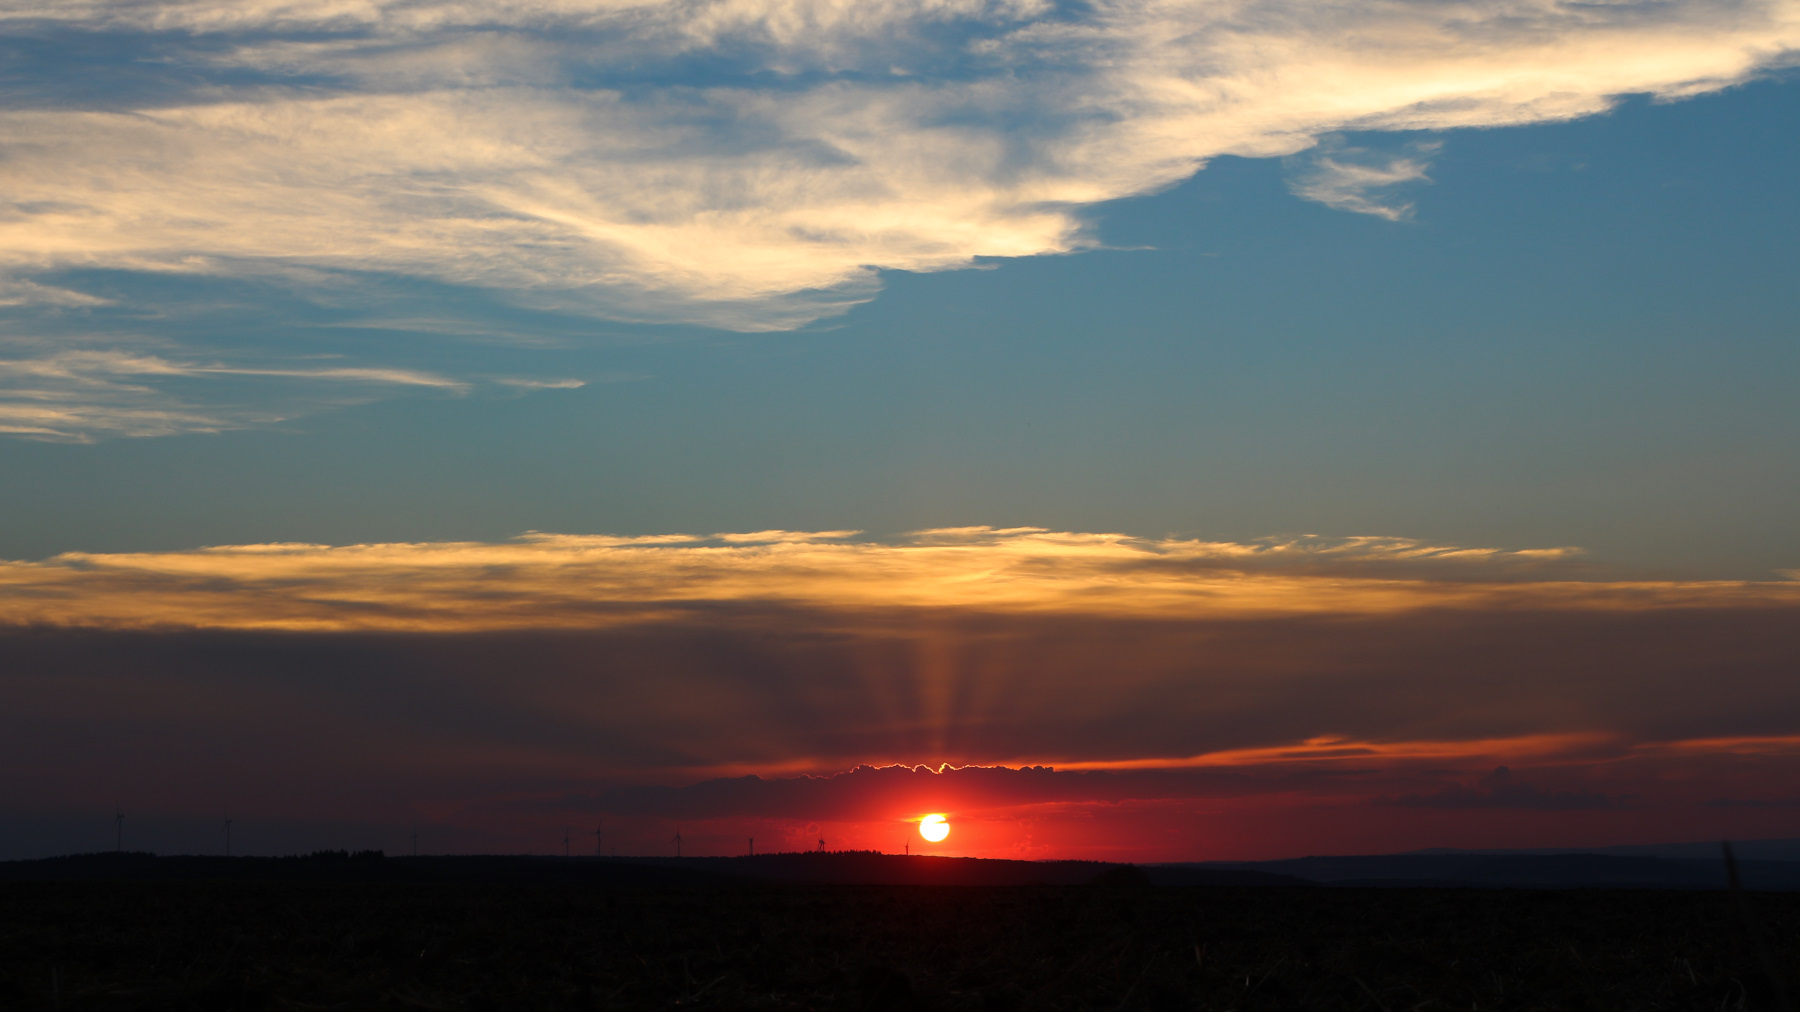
point(362, 931)
point(1442, 869)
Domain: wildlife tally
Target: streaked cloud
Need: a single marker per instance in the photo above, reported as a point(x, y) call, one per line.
point(871, 792)
point(1356, 179)
point(521, 383)
point(1589, 796)
point(80, 395)
point(748, 165)
point(576, 581)
point(14, 292)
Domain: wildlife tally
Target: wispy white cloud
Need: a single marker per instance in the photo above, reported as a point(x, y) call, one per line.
point(744, 164)
point(84, 394)
point(520, 383)
point(398, 377)
point(508, 146)
point(16, 292)
point(1360, 180)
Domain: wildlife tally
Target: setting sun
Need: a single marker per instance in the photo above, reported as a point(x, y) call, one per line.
point(934, 828)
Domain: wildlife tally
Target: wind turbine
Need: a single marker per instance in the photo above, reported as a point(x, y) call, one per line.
point(821, 845)
point(753, 846)
point(227, 837)
point(597, 851)
point(677, 841)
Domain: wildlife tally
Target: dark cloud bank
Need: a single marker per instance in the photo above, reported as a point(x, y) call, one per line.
point(454, 729)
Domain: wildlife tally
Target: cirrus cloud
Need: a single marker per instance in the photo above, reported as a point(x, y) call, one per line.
point(749, 164)
point(83, 394)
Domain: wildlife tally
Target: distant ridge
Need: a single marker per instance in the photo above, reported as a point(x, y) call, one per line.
point(1441, 869)
point(1747, 850)
point(810, 867)
point(1528, 869)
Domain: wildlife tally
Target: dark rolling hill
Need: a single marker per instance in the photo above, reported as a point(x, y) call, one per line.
point(1446, 869)
point(1460, 869)
point(810, 868)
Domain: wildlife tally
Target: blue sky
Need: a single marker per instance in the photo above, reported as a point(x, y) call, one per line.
point(1582, 334)
point(488, 415)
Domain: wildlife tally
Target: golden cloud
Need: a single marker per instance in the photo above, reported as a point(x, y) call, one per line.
point(444, 139)
point(550, 581)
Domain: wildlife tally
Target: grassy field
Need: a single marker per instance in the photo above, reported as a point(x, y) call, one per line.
point(221, 946)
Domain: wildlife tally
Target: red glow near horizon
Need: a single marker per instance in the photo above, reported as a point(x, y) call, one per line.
point(1161, 832)
point(1321, 796)
point(1196, 703)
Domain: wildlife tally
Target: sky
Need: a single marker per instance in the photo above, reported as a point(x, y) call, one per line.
point(1138, 431)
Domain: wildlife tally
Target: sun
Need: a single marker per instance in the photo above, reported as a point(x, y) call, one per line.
point(934, 828)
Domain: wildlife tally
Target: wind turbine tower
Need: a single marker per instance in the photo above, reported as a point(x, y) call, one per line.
point(677, 841)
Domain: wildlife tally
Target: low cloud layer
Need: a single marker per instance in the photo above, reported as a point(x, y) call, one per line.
point(746, 165)
point(550, 581)
point(726, 681)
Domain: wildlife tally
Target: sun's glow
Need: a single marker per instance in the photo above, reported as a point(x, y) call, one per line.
point(934, 828)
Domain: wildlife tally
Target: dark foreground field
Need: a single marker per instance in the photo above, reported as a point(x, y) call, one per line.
point(474, 945)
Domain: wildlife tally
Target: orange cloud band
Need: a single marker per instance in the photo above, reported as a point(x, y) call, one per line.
point(543, 581)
